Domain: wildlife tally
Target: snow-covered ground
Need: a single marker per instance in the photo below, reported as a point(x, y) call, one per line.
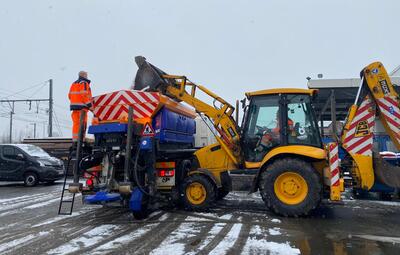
point(239, 224)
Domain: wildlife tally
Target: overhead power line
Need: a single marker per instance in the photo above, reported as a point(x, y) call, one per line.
point(12, 102)
point(23, 90)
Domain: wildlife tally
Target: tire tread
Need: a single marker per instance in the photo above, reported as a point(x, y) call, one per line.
point(303, 168)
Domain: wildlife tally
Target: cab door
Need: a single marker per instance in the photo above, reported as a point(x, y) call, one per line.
point(302, 126)
point(262, 130)
point(12, 165)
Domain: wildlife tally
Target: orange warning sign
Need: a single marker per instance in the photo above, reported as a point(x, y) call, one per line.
point(148, 130)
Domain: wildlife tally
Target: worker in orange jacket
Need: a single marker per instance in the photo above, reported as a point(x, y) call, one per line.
point(80, 97)
point(272, 136)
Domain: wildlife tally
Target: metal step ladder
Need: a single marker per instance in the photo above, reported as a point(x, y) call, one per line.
point(75, 185)
point(70, 200)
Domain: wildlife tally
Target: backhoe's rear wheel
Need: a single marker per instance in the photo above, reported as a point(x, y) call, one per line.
point(290, 187)
point(197, 192)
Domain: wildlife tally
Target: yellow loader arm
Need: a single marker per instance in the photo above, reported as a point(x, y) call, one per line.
point(386, 99)
point(180, 88)
point(376, 96)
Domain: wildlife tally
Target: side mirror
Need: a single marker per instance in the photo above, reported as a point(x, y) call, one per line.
point(20, 156)
point(243, 101)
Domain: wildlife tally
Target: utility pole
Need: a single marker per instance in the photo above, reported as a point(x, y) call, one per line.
point(50, 107)
point(12, 102)
point(34, 129)
point(11, 121)
point(50, 100)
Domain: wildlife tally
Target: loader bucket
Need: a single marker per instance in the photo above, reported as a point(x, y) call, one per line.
point(148, 76)
point(385, 172)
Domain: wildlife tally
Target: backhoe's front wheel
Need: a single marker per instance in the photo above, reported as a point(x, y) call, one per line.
point(290, 187)
point(197, 192)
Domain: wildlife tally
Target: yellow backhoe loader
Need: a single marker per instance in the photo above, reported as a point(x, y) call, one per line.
point(279, 138)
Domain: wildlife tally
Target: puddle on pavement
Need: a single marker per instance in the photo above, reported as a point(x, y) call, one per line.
point(352, 245)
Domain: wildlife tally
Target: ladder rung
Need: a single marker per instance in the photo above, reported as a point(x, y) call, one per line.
point(67, 201)
point(66, 189)
point(64, 213)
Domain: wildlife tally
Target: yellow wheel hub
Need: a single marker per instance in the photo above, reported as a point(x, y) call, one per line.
point(196, 193)
point(291, 188)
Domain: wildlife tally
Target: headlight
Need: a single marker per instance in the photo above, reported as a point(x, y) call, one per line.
point(41, 163)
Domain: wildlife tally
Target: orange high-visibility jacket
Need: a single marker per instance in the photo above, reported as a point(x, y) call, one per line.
point(80, 94)
point(290, 123)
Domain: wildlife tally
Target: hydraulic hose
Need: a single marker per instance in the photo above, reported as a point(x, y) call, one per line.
point(135, 173)
point(85, 170)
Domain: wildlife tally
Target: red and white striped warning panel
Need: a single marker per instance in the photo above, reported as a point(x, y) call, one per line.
point(359, 138)
point(114, 106)
point(334, 163)
point(390, 109)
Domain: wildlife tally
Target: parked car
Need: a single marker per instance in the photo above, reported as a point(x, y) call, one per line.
point(28, 163)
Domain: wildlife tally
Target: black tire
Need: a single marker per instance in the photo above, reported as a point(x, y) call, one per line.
point(50, 182)
point(300, 167)
point(140, 215)
point(30, 179)
point(360, 194)
point(222, 192)
point(226, 185)
point(210, 192)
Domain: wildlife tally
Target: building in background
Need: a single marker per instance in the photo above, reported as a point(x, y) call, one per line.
point(204, 133)
point(342, 92)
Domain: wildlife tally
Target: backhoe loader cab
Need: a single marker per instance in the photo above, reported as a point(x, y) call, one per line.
point(276, 118)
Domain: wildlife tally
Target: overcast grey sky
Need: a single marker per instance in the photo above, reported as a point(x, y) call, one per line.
point(229, 46)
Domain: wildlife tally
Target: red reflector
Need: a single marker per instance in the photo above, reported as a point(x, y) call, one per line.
point(166, 173)
point(89, 182)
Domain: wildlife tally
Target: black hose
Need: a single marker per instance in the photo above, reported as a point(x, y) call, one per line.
point(135, 173)
point(85, 170)
point(80, 162)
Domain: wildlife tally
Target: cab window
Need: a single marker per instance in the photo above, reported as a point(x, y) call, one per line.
point(302, 125)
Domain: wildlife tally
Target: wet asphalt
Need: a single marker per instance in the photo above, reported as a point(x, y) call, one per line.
point(239, 224)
